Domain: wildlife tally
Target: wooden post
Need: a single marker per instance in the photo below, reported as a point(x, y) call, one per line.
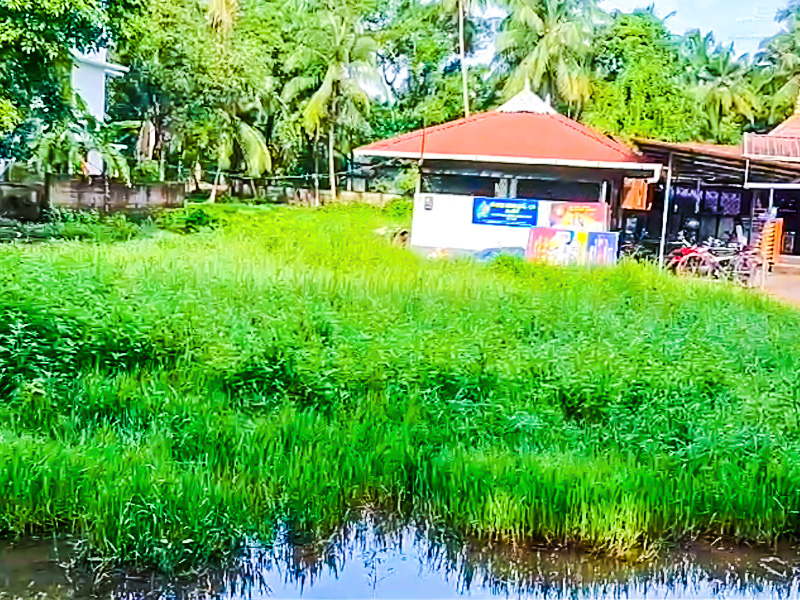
point(331, 163)
point(665, 215)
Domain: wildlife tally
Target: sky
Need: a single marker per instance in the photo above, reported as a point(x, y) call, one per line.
point(743, 22)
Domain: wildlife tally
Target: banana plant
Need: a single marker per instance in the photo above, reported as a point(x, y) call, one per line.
point(65, 147)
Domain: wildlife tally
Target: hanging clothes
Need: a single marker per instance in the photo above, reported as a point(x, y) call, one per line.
point(636, 195)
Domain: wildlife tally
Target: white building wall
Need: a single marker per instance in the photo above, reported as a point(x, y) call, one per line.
point(448, 224)
point(89, 72)
point(89, 81)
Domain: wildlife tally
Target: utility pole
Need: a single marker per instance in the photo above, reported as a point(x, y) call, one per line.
point(462, 46)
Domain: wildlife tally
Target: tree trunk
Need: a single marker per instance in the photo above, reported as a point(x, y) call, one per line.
point(351, 164)
point(315, 152)
point(213, 197)
point(331, 163)
point(463, 52)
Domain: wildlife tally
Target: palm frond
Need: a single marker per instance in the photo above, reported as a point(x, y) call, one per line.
point(254, 149)
point(221, 14)
point(316, 109)
point(297, 86)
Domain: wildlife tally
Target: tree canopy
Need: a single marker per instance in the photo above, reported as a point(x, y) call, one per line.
point(278, 87)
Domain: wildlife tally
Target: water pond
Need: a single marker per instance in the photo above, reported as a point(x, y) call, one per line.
point(372, 560)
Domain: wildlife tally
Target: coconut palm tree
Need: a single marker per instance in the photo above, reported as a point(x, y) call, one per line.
point(463, 8)
point(341, 60)
point(240, 140)
point(779, 62)
point(548, 42)
point(720, 82)
point(698, 50)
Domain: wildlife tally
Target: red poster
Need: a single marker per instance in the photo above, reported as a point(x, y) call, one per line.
point(586, 216)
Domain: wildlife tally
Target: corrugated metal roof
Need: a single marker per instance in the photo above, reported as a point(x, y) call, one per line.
point(721, 164)
point(782, 143)
point(789, 128)
point(775, 147)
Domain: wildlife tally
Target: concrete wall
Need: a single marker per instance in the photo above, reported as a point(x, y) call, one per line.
point(21, 202)
point(117, 197)
point(305, 197)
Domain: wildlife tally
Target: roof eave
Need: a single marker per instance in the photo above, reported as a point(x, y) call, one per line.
point(773, 158)
point(112, 69)
point(653, 168)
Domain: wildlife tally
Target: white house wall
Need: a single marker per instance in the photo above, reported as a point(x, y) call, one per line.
point(89, 81)
point(448, 224)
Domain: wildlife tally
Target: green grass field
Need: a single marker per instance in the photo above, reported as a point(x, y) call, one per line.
point(171, 397)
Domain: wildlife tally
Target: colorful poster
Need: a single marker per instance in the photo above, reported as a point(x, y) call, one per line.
point(505, 211)
point(602, 248)
point(586, 216)
point(556, 246)
point(572, 247)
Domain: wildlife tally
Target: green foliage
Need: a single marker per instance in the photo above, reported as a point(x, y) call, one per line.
point(203, 97)
point(36, 38)
point(640, 92)
point(169, 399)
point(399, 209)
point(776, 75)
point(146, 171)
point(549, 43)
point(92, 226)
point(65, 224)
point(190, 220)
point(416, 52)
point(64, 147)
point(722, 86)
point(254, 87)
point(9, 115)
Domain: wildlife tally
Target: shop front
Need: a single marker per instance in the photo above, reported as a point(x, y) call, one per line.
point(719, 193)
point(520, 180)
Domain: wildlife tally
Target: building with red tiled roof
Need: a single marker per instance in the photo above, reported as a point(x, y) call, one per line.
point(524, 150)
point(525, 132)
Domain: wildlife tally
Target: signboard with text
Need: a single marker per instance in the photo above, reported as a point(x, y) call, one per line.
point(512, 212)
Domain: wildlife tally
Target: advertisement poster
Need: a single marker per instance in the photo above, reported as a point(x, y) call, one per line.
point(572, 247)
point(587, 216)
point(602, 248)
point(505, 211)
point(556, 246)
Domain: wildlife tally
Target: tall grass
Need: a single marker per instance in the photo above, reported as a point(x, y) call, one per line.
point(169, 398)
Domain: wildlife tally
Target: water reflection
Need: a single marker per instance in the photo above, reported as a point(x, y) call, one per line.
point(382, 559)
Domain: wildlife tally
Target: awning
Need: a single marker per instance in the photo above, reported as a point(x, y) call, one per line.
point(722, 165)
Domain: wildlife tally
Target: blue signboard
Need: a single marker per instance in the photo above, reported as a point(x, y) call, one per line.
point(505, 211)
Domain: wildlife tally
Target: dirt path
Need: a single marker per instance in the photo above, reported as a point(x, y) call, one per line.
point(785, 287)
